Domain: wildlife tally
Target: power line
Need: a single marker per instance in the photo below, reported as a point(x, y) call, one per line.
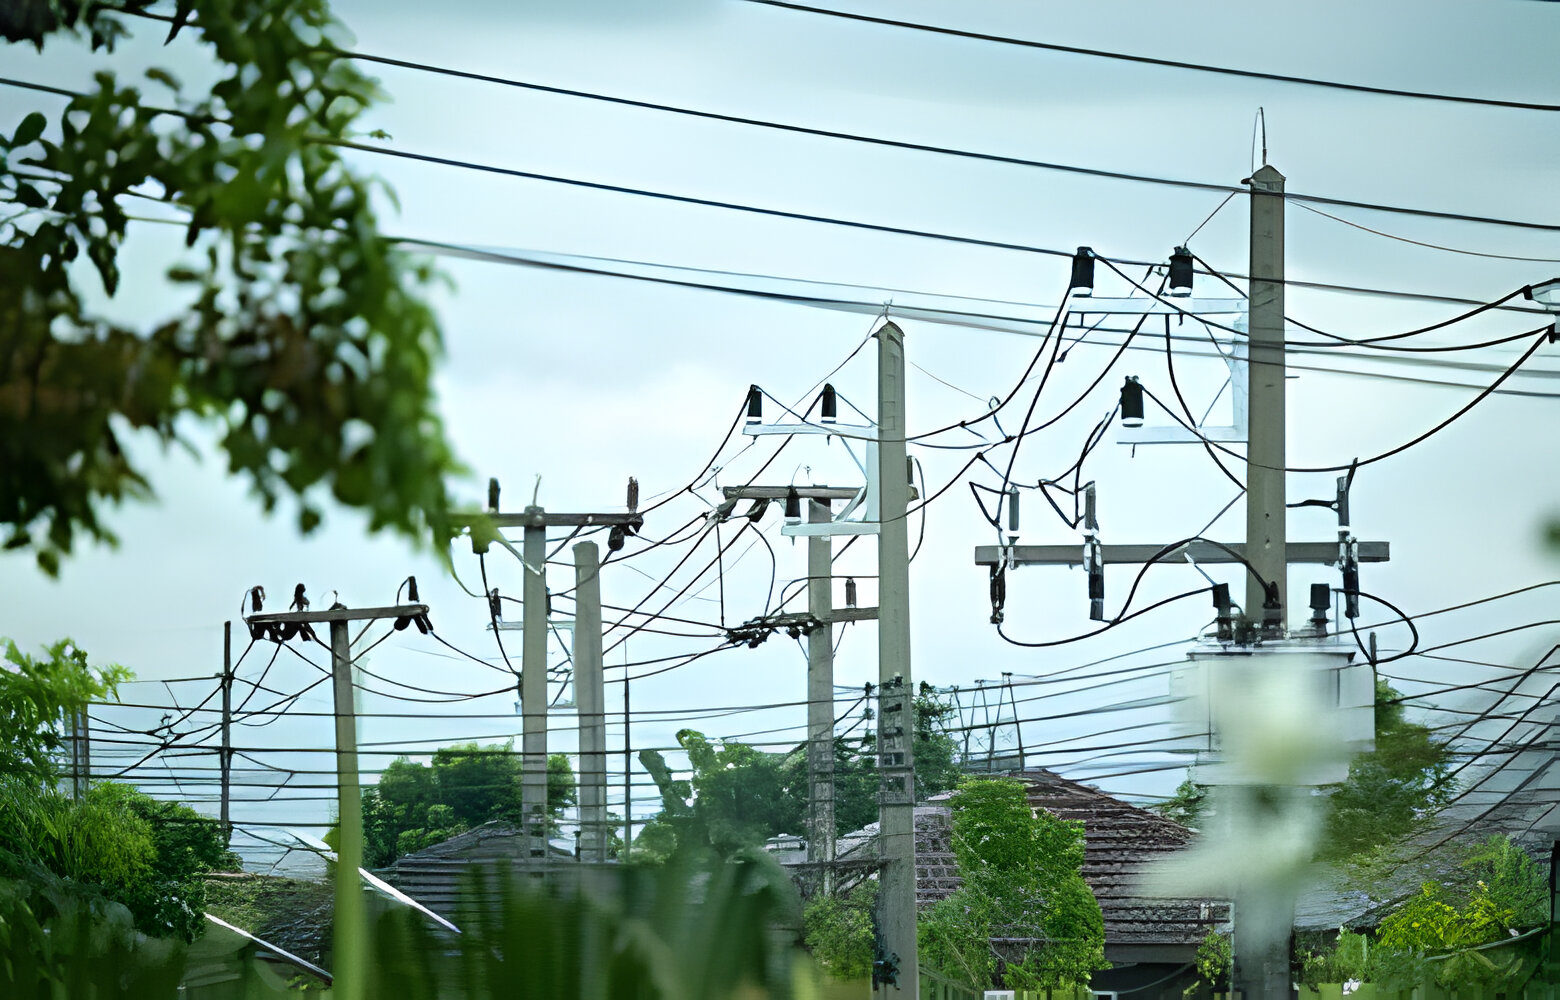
point(1154, 61)
point(1540, 336)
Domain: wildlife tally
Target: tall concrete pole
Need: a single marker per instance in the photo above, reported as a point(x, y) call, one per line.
point(1261, 940)
point(351, 931)
point(227, 728)
point(591, 699)
point(896, 793)
point(1265, 459)
point(533, 688)
point(820, 697)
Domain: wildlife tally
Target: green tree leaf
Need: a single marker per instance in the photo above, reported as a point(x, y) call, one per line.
point(29, 130)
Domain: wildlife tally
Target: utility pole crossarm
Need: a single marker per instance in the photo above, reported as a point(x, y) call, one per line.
point(548, 519)
point(337, 615)
point(782, 492)
point(1324, 553)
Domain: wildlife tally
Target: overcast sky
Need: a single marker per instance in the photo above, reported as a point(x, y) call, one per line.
point(585, 380)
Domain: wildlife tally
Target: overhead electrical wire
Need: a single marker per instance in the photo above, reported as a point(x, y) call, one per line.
point(1540, 337)
point(1335, 340)
point(1155, 61)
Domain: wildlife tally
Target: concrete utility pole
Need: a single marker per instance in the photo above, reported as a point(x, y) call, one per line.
point(1261, 948)
point(533, 689)
point(81, 753)
point(820, 697)
point(1265, 511)
point(533, 658)
point(351, 926)
point(820, 661)
point(896, 766)
point(591, 698)
point(227, 726)
point(1262, 966)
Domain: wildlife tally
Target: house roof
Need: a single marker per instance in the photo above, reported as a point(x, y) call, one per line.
point(432, 876)
point(1120, 839)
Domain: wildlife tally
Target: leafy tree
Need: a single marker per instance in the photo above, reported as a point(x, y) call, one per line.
point(115, 842)
point(35, 693)
point(1185, 806)
point(1511, 880)
point(838, 931)
point(299, 336)
point(741, 796)
point(1390, 791)
point(737, 797)
point(418, 805)
point(1022, 880)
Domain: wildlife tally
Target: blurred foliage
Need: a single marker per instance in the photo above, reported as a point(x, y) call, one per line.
point(699, 927)
point(1389, 793)
point(416, 805)
point(737, 795)
point(838, 931)
point(57, 942)
point(1022, 873)
point(301, 338)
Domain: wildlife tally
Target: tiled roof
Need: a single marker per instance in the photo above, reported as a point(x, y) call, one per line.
point(1119, 840)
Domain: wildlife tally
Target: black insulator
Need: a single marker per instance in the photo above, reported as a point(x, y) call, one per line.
point(1013, 510)
point(1321, 602)
point(306, 633)
point(757, 510)
point(495, 604)
point(998, 594)
point(793, 505)
point(1351, 590)
point(1224, 623)
point(831, 406)
point(402, 622)
point(616, 537)
point(257, 631)
point(256, 599)
point(794, 632)
point(300, 599)
point(633, 494)
point(411, 589)
point(1131, 403)
point(1181, 272)
point(1082, 272)
point(423, 624)
point(850, 592)
point(493, 495)
point(755, 407)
